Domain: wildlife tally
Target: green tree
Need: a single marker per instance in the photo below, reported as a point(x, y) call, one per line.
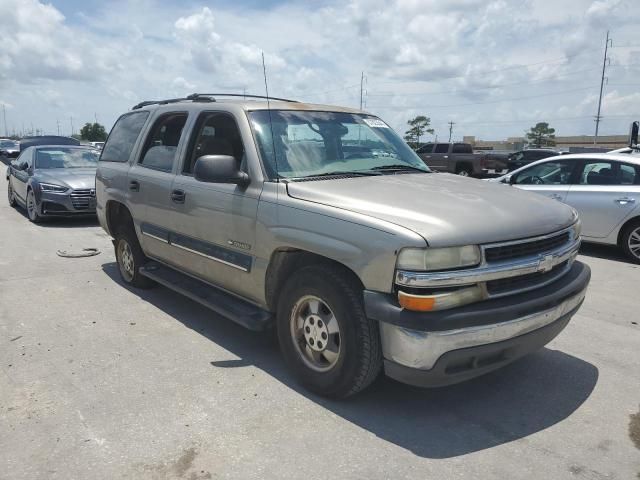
point(93, 132)
point(418, 126)
point(542, 135)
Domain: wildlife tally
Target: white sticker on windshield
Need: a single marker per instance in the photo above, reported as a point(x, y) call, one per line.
point(375, 122)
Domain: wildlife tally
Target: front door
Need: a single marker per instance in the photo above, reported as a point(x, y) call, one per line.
point(21, 175)
point(215, 226)
point(551, 179)
point(604, 193)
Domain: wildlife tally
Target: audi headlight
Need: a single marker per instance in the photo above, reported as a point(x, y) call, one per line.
point(49, 187)
point(429, 259)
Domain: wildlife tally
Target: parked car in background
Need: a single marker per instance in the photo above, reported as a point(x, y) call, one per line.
point(361, 259)
point(525, 157)
point(54, 180)
point(97, 145)
point(27, 142)
point(459, 158)
point(603, 187)
point(9, 149)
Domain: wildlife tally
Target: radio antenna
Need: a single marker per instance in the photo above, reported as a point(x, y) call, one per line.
point(273, 138)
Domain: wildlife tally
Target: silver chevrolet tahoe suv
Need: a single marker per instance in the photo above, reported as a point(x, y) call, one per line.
point(322, 223)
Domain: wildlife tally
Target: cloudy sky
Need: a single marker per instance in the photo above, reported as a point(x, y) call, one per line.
point(493, 67)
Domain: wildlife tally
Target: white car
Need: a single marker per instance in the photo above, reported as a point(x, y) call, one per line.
point(603, 187)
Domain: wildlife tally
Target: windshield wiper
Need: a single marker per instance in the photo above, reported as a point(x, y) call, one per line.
point(340, 173)
point(400, 167)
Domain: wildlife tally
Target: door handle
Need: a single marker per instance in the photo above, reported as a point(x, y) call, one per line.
point(134, 186)
point(625, 200)
point(178, 196)
point(446, 156)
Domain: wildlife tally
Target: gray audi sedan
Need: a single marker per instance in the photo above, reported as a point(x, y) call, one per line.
point(54, 180)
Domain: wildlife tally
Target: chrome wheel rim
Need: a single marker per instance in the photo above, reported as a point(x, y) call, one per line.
point(463, 173)
point(633, 242)
point(315, 333)
point(31, 206)
point(125, 260)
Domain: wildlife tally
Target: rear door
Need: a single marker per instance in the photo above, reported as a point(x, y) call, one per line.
point(605, 193)
point(438, 159)
point(551, 178)
point(150, 183)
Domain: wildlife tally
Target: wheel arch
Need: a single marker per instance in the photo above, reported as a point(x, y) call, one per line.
point(623, 227)
point(284, 261)
point(118, 214)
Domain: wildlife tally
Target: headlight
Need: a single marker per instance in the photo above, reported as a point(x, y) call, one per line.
point(48, 187)
point(428, 259)
point(577, 229)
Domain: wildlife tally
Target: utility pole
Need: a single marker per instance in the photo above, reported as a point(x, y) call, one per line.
point(604, 67)
point(451, 124)
point(95, 115)
point(4, 114)
point(71, 120)
point(58, 125)
point(362, 79)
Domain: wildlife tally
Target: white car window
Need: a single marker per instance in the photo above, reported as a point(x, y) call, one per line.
point(548, 173)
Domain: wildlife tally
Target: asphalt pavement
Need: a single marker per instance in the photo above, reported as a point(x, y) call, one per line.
point(99, 381)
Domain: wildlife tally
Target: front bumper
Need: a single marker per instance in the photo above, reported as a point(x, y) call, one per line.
point(64, 205)
point(449, 346)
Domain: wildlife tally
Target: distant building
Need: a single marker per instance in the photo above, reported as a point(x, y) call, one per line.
point(576, 143)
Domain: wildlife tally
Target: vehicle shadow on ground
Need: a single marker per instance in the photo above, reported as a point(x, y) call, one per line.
point(515, 402)
point(606, 252)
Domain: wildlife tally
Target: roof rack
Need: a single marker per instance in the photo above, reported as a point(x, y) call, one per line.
point(205, 97)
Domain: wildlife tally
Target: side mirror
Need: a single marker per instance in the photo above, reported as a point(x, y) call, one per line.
point(510, 179)
point(219, 169)
point(23, 166)
point(633, 134)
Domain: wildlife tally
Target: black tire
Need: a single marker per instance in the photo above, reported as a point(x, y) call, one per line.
point(360, 355)
point(464, 170)
point(32, 208)
point(10, 195)
point(630, 237)
point(129, 264)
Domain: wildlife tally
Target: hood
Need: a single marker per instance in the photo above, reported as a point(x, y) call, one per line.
point(446, 210)
point(75, 178)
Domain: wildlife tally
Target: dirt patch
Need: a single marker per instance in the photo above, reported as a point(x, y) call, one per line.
point(182, 467)
point(634, 429)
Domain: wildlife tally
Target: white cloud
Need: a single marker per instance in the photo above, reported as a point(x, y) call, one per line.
point(419, 57)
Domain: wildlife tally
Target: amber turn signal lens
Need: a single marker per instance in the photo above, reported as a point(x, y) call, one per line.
point(417, 303)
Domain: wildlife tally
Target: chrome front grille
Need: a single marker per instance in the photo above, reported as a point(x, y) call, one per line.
point(83, 199)
point(507, 268)
point(525, 248)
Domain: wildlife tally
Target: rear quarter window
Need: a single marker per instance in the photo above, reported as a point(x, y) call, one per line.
point(123, 137)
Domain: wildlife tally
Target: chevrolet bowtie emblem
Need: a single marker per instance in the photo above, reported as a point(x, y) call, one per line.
point(546, 263)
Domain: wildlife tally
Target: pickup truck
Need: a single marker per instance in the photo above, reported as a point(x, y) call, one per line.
point(459, 158)
point(361, 258)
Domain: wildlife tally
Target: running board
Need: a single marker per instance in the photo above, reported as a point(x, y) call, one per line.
point(244, 313)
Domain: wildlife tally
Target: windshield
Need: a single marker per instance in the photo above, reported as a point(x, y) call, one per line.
point(57, 157)
point(308, 144)
point(8, 144)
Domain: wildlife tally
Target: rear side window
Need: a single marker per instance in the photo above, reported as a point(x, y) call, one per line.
point(628, 175)
point(461, 148)
point(425, 148)
point(161, 146)
point(441, 148)
point(123, 137)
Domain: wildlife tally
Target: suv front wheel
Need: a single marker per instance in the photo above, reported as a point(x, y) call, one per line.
point(324, 334)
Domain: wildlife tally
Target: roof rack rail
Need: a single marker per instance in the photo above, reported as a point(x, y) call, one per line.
point(197, 96)
point(205, 97)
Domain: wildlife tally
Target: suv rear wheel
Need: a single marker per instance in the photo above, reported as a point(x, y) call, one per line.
point(464, 170)
point(324, 334)
point(130, 259)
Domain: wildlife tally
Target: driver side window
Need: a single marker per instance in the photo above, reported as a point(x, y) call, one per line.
point(547, 173)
